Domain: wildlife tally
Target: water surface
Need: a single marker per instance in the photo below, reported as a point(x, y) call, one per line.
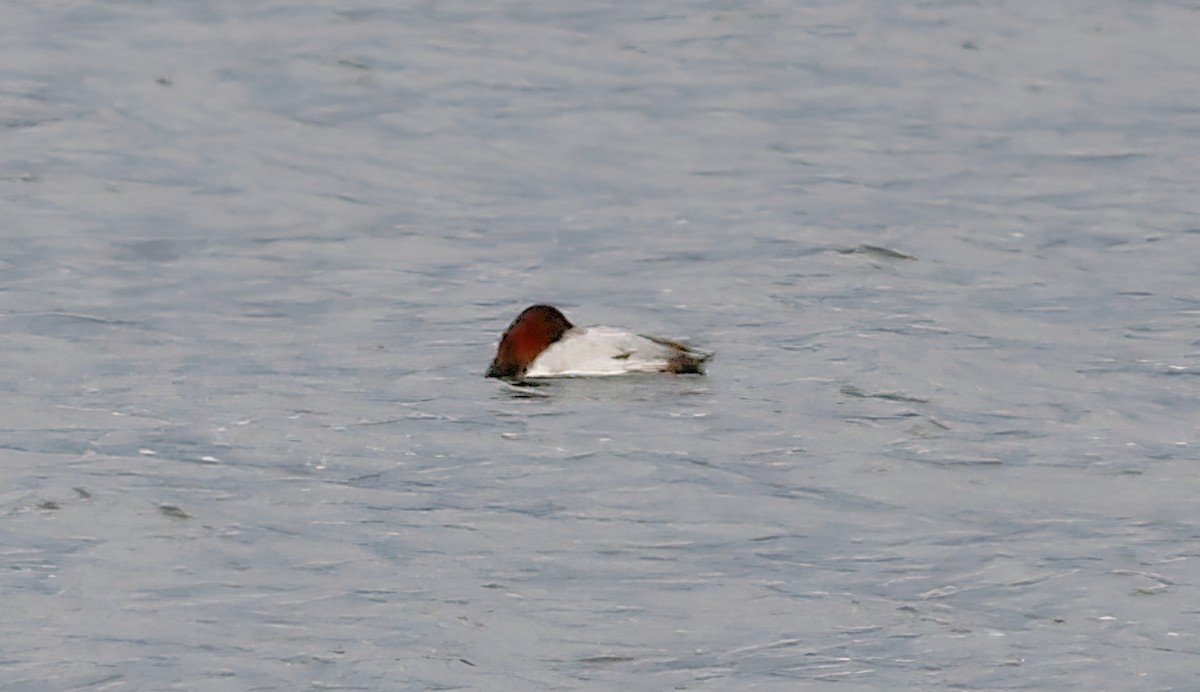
point(257, 255)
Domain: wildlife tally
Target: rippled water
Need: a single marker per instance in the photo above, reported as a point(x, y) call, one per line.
point(256, 257)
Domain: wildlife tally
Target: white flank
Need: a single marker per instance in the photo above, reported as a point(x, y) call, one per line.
point(593, 351)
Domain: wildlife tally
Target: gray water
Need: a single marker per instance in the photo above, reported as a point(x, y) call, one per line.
point(255, 257)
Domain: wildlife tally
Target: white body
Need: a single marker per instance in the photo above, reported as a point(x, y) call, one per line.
point(592, 351)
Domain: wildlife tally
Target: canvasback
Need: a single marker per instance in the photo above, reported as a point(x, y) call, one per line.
point(542, 342)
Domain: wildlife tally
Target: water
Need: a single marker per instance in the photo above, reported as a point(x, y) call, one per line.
point(256, 257)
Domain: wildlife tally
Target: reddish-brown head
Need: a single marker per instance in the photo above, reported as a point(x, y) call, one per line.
point(535, 328)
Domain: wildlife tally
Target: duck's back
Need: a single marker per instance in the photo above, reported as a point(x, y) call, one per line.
point(596, 351)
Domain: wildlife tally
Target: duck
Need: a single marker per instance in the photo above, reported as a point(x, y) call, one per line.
point(541, 342)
